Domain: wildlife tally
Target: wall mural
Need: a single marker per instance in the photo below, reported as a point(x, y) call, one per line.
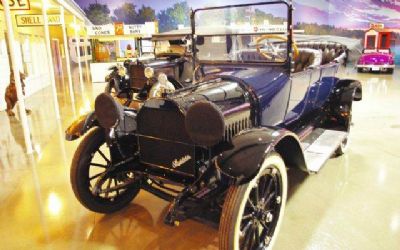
point(345, 18)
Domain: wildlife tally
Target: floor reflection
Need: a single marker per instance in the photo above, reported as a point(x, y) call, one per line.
point(12, 145)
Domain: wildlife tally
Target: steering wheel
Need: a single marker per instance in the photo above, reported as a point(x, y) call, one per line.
point(278, 37)
point(198, 74)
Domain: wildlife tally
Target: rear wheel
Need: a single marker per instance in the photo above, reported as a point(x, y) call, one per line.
point(95, 186)
point(360, 70)
point(344, 145)
point(253, 212)
point(390, 71)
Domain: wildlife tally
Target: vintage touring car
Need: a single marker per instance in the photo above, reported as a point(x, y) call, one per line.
point(261, 105)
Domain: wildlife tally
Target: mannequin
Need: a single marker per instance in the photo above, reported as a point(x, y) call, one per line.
point(11, 97)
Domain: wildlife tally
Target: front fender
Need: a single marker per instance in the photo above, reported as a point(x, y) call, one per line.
point(249, 148)
point(80, 126)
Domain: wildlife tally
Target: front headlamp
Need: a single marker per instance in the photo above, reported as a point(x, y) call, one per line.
point(148, 72)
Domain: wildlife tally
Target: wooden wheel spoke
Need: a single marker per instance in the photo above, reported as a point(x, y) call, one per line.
point(261, 184)
point(98, 165)
point(252, 206)
point(247, 216)
point(269, 199)
point(265, 226)
point(246, 227)
point(108, 188)
point(247, 238)
point(257, 240)
point(116, 184)
point(265, 185)
point(255, 192)
point(95, 176)
point(104, 157)
point(270, 184)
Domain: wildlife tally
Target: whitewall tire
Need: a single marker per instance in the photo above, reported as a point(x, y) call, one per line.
point(252, 213)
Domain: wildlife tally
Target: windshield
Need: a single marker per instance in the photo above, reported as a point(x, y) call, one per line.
point(170, 47)
point(250, 33)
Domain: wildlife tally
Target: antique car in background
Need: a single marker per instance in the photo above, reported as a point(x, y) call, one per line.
point(128, 83)
point(172, 57)
point(381, 60)
point(376, 55)
point(221, 146)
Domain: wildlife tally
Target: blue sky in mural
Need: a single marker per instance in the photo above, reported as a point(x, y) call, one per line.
point(340, 13)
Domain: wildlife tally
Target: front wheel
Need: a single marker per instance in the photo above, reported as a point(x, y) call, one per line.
point(253, 212)
point(95, 186)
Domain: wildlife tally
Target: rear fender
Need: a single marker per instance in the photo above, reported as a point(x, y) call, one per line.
point(249, 149)
point(348, 90)
point(80, 126)
point(345, 92)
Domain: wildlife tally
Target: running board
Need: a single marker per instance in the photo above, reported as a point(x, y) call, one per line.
point(319, 146)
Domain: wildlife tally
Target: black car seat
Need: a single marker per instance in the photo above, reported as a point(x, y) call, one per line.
point(331, 51)
point(136, 75)
point(306, 58)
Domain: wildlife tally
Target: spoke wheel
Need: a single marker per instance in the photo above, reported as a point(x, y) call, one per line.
point(253, 212)
point(94, 184)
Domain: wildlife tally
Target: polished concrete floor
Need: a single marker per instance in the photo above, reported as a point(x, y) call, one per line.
point(353, 203)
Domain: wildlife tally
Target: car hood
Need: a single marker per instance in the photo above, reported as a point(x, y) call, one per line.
point(160, 62)
point(261, 81)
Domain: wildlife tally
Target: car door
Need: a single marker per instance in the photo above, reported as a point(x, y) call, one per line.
point(326, 83)
point(299, 95)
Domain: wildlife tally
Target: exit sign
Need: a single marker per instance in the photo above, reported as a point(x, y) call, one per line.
point(17, 5)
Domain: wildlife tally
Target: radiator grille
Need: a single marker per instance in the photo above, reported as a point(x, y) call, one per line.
point(236, 124)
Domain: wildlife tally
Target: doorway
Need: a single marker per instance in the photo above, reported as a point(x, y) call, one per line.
point(56, 58)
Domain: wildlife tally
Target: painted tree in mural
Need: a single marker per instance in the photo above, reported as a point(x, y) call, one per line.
point(146, 14)
point(128, 14)
point(170, 18)
point(98, 14)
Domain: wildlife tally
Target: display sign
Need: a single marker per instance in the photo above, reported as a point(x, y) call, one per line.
point(36, 20)
point(17, 5)
point(120, 29)
point(101, 30)
point(264, 28)
point(146, 29)
point(377, 25)
point(134, 29)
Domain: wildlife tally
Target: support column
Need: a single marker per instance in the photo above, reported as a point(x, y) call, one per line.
point(87, 68)
point(67, 59)
point(49, 58)
point(78, 53)
point(17, 78)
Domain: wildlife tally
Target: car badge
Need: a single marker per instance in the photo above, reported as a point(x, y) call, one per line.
point(179, 162)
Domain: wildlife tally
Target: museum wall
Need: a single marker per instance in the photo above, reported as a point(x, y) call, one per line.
point(348, 18)
point(336, 18)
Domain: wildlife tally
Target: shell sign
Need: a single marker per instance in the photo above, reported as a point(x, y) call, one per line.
point(36, 20)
